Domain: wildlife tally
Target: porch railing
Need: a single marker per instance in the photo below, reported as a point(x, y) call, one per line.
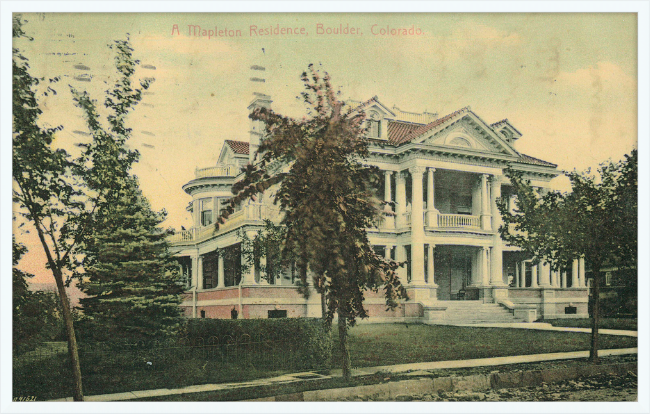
point(458, 220)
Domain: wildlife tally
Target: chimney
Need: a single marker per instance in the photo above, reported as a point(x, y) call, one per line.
point(260, 100)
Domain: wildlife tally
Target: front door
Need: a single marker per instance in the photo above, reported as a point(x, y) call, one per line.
point(452, 273)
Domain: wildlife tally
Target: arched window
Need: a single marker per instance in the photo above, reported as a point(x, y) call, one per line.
point(460, 142)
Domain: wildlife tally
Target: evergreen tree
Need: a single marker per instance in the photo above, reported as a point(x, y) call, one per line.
point(329, 199)
point(129, 275)
point(127, 269)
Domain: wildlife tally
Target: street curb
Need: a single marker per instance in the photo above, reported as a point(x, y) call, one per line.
point(391, 391)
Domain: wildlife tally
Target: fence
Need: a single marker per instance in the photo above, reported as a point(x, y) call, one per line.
point(258, 353)
point(120, 367)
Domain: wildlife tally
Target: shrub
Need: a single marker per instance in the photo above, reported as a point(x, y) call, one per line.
point(307, 339)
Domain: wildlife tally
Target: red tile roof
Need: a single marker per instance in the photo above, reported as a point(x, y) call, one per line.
point(239, 147)
point(527, 159)
point(424, 128)
point(398, 130)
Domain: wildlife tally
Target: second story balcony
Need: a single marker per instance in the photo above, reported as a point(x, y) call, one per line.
point(223, 170)
point(252, 213)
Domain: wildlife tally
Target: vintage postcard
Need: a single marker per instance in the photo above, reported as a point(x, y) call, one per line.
point(325, 207)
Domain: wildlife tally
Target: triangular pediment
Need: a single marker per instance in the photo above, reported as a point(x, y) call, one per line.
point(468, 132)
point(373, 104)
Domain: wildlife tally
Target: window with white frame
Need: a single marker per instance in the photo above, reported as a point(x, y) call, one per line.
point(205, 207)
point(373, 124)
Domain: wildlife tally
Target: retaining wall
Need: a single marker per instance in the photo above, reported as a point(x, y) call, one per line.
point(389, 391)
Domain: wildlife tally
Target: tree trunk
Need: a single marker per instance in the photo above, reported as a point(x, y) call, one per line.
point(323, 306)
point(73, 351)
point(595, 317)
point(345, 351)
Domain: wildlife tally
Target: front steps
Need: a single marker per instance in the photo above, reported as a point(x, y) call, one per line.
point(461, 312)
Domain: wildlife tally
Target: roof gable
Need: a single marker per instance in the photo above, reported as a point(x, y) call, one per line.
point(374, 101)
point(461, 128)
point(233, 150)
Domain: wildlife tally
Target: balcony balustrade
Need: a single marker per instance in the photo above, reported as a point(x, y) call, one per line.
point(458, 220)
point(251, 212)
point(217, 171)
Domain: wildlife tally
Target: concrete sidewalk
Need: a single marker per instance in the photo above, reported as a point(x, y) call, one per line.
point(543, 326)
point(310, 376)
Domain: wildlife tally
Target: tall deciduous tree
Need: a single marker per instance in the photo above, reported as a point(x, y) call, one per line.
point(44, 191)
point(129, 275)
point(597, 220)
point(329, 199)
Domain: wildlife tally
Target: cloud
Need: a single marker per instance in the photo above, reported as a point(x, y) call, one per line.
point(604, 74)
point(487, 36)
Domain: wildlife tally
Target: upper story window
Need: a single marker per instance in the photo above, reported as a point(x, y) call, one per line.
point(205, 207)
point(374, 124)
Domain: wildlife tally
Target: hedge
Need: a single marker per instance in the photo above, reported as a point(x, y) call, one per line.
point(309, 339)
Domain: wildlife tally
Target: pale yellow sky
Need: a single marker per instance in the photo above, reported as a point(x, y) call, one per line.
point(568, 82)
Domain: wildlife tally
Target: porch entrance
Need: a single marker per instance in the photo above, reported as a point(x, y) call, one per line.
point(453, 271)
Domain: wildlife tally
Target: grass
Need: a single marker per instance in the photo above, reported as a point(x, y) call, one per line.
point(390, 344)
point(629, 324)
point(45, 374)
point(288, 389)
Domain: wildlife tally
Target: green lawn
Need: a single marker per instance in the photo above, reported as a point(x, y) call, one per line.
point(45, 374)
point(629, 324)
point(389, 344)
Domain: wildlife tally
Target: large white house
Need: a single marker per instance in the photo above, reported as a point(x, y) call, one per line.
point(443, 176)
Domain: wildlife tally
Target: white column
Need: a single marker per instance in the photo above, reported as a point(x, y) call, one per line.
point(220, 271)
point(581, 264)
point(431, 264)
point(564, 284)
point(432, 213)
point(215, 209)
point(400, 199)
point(200, 272)
point(195, 272)
point(196, 212)
point(400, 256)
point(248, 276)
point(545, 276)
point(389, 219)
point(574, 274)
point(485, 272)
point(511, 203)
point(495, 186)
point(259, 272)
point(533, 276)
point(417, 226)
point(485, 206)
point(387, 188)
point(387, 252)
point(523, 274)
point(517, 277)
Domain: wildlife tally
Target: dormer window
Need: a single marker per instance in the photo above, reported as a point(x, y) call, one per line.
point(374, 125)
point(507, 134)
